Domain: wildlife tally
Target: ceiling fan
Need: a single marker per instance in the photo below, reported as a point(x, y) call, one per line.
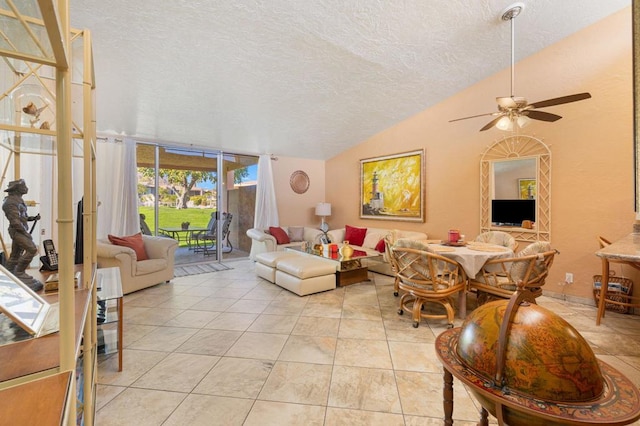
point(515, 110)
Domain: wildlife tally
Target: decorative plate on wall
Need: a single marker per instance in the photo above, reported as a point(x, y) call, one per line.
point(299, 182)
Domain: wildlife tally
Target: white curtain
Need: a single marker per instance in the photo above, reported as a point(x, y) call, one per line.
point(266, 213)
point(116, 188)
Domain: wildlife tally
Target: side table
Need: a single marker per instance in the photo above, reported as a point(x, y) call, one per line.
point(109, 294)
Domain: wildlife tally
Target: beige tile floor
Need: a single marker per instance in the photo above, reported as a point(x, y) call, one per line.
point(228, 348)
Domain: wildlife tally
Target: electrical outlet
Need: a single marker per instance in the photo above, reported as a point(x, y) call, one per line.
point(568, 278)
point(43, 231)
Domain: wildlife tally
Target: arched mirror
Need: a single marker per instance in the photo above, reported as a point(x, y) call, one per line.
point(515, 187)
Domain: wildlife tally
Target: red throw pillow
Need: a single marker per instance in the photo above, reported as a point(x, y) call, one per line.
point(132, 241)
point(380, 245)
point(279, 234)
point(355, 236)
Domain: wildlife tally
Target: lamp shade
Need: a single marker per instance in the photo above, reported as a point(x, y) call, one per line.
point(323, 209)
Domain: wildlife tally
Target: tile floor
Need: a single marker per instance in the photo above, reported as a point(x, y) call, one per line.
point(228, 348)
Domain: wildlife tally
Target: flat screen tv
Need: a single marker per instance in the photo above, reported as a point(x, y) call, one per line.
point(512, 212)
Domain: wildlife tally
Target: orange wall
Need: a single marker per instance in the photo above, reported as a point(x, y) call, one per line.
point(293, 208)
point(592, 157)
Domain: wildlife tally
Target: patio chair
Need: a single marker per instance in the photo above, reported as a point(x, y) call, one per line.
point(206, 241)
point(194, 240)
point(426, 277)
point(144, 228)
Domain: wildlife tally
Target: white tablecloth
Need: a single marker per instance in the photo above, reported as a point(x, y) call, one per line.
point(471, 260)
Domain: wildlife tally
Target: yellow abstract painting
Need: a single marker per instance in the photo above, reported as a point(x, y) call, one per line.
point(392, 187)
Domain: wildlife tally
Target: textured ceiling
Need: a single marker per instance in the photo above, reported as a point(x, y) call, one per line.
point(300, 78)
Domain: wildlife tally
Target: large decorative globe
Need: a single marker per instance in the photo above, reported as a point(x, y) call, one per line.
point(528, 366)
point(544, 356)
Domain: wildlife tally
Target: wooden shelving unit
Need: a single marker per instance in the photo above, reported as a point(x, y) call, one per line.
point(46, 62)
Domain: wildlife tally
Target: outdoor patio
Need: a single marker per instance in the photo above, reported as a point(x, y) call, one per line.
point(186, 256)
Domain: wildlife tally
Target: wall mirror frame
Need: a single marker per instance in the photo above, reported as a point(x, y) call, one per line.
point(507, 149)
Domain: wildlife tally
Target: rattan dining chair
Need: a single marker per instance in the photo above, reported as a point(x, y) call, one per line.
point(499, 238)
point(499, 278)
point(427, 278)
point(388, 256)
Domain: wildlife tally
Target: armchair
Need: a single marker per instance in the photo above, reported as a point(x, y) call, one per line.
point(499, 278)
point(138, 274)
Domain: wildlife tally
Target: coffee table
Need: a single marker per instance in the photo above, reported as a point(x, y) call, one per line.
point(349, 270)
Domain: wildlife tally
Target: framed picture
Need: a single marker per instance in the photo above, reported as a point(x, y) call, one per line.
point(392, 187)
point(527, 189)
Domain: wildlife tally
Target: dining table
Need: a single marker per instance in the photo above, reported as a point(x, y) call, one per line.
point(183, 234)
point(471, 256)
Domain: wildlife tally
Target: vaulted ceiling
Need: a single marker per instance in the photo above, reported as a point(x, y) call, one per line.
point(304, 79)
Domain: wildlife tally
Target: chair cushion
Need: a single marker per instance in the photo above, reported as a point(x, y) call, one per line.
point(134, 242)
point(518, 269)
point(150, 266)
point(279, 234)
point(354, 235)
point(412, 244)
point(499, 238)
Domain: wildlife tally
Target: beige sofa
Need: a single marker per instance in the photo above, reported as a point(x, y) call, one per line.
point(372, 237)
point(264, 242)
point(136, 275)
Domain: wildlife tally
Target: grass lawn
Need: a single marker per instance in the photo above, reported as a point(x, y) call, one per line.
point(170, 217)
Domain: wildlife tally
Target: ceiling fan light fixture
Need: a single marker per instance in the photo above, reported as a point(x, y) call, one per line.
point(515, 111)
point(505, 123)
point(523, 121)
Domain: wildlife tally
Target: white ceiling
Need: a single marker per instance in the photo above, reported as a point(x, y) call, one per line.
point(301, 78)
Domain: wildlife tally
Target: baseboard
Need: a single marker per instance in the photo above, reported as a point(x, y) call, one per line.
point(580, 300)
point(570, 298)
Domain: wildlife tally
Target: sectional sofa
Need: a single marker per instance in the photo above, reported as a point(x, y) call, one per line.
point(372, 242)
point(268, 240)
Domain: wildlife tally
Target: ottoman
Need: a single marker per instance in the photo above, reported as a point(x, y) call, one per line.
point(266, 263)
point(304, 275)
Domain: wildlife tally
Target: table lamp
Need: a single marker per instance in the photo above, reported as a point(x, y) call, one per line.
point(323, 210)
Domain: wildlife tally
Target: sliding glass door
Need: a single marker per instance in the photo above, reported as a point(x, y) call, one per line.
point(203, 199)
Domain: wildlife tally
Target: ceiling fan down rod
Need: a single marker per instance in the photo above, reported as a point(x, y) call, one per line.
point(513, 53)
point(509, 14)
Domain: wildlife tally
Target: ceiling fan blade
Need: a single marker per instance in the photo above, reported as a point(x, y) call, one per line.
point(543, 116)
point(561, 100)
point(474, 116)
point(491, 123)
